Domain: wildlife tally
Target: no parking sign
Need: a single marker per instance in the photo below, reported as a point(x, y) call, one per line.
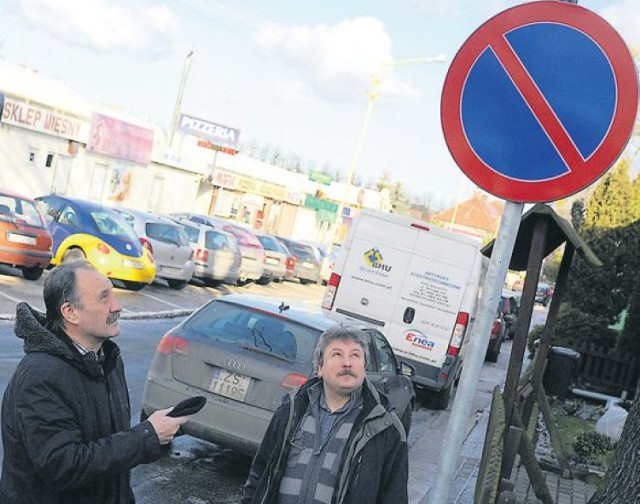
point(540, 101)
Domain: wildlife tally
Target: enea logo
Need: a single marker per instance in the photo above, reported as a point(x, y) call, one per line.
point(420, 340)
point(373, 258)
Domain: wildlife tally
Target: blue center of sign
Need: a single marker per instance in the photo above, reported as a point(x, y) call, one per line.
point(574, 76)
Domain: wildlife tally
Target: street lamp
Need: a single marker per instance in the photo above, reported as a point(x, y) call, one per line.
point(372, 95)
point(178, 104)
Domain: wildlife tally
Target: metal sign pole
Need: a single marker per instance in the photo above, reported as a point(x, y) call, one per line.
point(477, 347)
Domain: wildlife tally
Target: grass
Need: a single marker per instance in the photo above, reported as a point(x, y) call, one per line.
point(570, 427)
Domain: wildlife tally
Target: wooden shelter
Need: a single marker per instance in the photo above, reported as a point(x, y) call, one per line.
point(541, 232)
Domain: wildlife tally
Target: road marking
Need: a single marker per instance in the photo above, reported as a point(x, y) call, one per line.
point(11, 298)
point(161, 300)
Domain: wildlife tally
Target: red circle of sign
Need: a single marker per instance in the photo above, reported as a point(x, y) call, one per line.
point(624, 71)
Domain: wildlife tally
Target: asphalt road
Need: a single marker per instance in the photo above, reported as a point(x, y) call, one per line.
point(195, 471)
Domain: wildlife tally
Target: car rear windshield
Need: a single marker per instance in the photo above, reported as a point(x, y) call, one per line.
point(270, 243)
point(254, 330)
point(219, 241)
point(19, 210)
point(111, 223)
point(166, 233)
point(243, 236)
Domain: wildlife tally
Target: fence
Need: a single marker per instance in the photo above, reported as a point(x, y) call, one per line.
point(607, 370)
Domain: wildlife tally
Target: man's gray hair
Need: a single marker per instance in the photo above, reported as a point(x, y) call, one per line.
point(61, 287)
point(343, 332)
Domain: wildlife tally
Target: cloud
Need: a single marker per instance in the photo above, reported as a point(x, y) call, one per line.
point(457, 8)
point(335, 62)
point(624, 18)
point(104, 26)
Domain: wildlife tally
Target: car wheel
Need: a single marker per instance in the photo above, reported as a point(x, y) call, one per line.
point(406, 418)
point(73, 254)
point(177, 284)
point(304, 282)
point(32, 273)
point(264, 280)
point(133, 286)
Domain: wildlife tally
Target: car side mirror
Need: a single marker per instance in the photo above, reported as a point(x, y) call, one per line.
point(407, 369)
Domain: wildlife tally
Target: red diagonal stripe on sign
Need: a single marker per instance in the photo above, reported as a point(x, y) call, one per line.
point(539, 106)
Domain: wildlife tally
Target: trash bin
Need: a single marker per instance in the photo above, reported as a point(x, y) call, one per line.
point(558, 374)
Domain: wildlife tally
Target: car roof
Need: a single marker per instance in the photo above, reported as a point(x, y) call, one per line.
point(84, 204)
point(201, 227)
point(147, 216)
point(303, 314)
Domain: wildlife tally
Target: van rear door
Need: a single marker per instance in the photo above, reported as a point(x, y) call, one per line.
point(373, 271)
point(431, 298)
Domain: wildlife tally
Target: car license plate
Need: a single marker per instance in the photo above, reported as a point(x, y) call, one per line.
point(20, 238)
point(308, 265)
point(229, 384)
point(271, 260)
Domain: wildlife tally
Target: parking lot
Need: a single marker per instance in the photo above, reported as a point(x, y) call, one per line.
point(156, 298)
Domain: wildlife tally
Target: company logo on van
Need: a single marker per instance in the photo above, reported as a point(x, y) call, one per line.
point(420, 340)
point(373, 258)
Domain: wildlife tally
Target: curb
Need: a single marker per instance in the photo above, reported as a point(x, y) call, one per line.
point(184, 312)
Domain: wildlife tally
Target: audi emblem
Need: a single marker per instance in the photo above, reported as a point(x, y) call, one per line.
point(234, 364)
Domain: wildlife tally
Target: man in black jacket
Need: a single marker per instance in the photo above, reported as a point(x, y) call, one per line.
point(66, 413)
point(334, 440)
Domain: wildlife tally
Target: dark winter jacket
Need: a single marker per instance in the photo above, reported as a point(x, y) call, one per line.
point(66, 423)
point(374, 467)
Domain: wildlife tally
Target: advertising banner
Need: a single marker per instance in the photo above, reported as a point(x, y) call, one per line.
point(44, 120)
point(119, 139)
point(217, 134)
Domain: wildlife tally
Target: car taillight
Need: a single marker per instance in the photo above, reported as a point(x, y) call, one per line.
point(103, 248)
point(459, 331)
point(293, 380)
point(330, 292)
point(291, 262)
point(150, 256)
point(170, 343)
point(146, 244)
point(202, 255)
point(495, 329)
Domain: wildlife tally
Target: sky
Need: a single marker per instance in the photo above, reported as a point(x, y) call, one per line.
point(290, 74)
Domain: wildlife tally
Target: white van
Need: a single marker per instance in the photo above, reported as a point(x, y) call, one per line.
point(419, 284)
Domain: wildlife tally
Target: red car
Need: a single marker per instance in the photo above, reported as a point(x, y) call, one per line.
point(25, 241)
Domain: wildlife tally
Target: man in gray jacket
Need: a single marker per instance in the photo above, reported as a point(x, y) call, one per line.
point(335, 440)
point(65, 413)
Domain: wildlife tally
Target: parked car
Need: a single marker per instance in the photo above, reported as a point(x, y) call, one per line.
point(217, 257)
point(275, 259)
point(306, 268)
point(243, 353)
point(167, 242)
point(509, 309)
point(328, 262)
point(496, 338)
point(83, 229)
point(25, 241)
point(544, 293)
point(252, 267)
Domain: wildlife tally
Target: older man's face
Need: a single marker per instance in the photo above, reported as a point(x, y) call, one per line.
point(342, 368)
point(97, 319)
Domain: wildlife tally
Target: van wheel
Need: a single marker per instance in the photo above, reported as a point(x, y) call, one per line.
point(406, 419)
point(32, 273)
point(440, 400)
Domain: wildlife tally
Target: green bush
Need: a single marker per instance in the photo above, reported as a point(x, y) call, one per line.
point(590, 445)
point(574, 326)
